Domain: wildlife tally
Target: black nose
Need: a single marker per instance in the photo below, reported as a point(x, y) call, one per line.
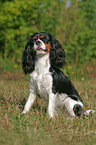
point(38, 42)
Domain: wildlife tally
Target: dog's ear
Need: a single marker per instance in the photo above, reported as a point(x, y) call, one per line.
point(57, 53)
point(28, 58)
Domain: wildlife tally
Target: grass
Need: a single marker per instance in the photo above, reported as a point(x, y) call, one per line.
point(35, 128)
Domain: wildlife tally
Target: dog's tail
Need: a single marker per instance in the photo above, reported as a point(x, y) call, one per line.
point(89, 111)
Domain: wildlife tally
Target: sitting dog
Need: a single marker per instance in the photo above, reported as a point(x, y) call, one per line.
point(42, 59)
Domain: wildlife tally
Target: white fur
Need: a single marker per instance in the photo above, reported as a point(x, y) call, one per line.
point(87, 113)
point(41, 83)
point(69, 105)
point(37, 47)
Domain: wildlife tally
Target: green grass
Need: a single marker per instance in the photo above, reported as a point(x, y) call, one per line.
point(35, 128)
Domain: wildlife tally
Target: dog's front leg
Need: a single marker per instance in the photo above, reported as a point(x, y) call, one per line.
point(29, 102)
point(52, 105)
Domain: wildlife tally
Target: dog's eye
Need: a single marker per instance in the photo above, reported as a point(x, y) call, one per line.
point(41, 37)
point(35, 37)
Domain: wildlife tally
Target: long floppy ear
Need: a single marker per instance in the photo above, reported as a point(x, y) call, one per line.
point(28, 58)
point(57, 53)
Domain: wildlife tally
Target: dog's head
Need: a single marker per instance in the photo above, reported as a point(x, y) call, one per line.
point(41, 44)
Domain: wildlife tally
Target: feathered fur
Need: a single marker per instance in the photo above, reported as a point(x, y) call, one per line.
point(42, 58)
point(56, 54)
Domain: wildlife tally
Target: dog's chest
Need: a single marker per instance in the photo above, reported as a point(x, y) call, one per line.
point(41, 78)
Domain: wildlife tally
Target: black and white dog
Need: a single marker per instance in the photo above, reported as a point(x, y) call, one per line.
point(42, 58)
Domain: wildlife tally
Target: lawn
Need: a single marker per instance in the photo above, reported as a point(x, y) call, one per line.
point(35, 128)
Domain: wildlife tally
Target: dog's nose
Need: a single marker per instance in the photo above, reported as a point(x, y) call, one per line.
point(38, 42)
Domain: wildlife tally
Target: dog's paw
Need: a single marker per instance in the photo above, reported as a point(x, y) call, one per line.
point(24, 112)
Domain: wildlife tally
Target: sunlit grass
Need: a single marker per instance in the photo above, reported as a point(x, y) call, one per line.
point(34, 127)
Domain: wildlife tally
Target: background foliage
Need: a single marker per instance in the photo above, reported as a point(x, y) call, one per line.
point(74, 25)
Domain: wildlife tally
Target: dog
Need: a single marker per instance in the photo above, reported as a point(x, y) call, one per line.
point(42, 58)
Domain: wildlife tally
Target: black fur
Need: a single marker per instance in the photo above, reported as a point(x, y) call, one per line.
point(62, 84)
point(28, 58)
point(57, 54)
point(78, 110)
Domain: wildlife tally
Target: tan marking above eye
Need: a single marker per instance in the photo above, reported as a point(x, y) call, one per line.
point(35, 37)
point(41, 37)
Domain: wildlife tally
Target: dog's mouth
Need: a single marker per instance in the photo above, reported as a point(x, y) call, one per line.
point(41, 49)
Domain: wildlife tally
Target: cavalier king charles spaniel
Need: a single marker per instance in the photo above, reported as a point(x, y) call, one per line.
point(42, 59)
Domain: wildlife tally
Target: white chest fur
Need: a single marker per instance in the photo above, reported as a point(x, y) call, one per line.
point(41, 80)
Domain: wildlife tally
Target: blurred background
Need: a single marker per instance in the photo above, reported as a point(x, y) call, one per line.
point(72, 22)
